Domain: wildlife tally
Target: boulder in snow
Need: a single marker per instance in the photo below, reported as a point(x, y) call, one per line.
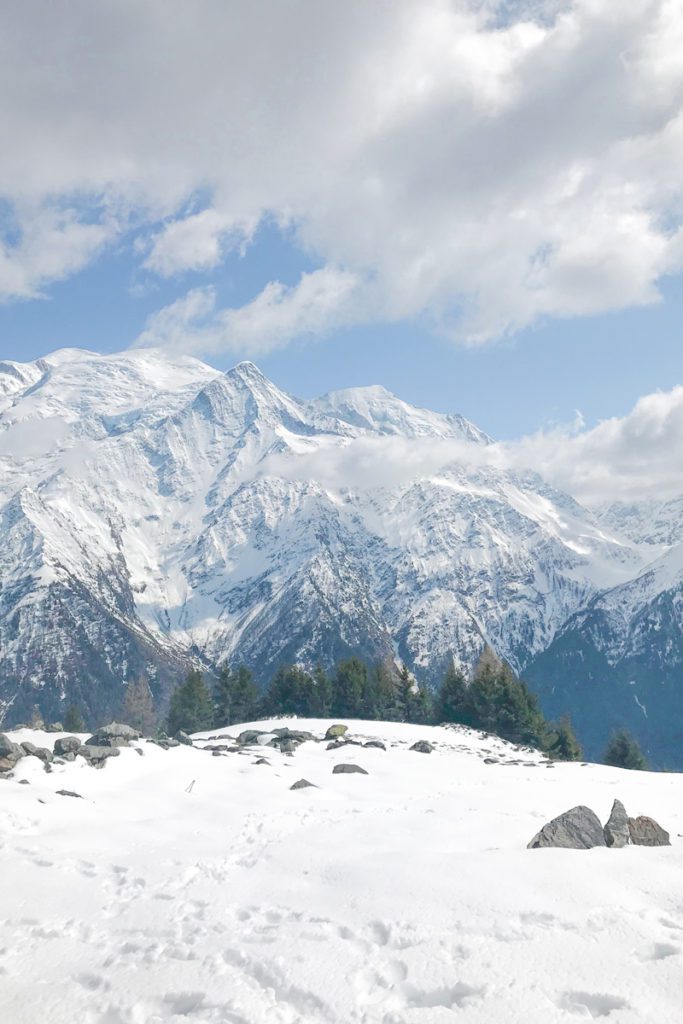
point(303, 784)
point(42, 753)
point(183, 738)
point(116, 734)
point(67, 745)
point(576, 829)
point(335, 731)
point(645, 831)
point(422, 747)
point(348, 769)
point(616, 829)
point(97, 756)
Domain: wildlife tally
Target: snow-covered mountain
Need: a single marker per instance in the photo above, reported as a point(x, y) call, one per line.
point(155, 511)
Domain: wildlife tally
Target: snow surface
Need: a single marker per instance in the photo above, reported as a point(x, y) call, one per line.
point(187, 888)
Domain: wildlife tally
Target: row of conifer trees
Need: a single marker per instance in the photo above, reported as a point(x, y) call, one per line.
point(494, 700)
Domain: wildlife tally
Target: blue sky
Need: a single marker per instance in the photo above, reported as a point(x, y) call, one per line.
point(474, 203)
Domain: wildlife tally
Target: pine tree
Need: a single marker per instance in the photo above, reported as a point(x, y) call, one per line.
point(349, 685)
point(322, 693)
point(623, 752)
point(405, 697)
point(73, 720)
point(451, 698)
point(563, 744)
point(244, 696)
point(500, 703)
point(138, 707)
point(222, 697)
point(191, 707)
point(291, 692)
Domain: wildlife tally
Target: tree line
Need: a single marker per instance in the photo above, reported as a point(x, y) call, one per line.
point(494, 700)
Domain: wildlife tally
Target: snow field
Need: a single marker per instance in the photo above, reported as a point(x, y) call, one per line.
point(186, 888)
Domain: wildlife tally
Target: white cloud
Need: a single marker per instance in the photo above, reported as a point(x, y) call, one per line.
point(483, 163)
point(45, 244)
point(637, 457)
point(320, 301)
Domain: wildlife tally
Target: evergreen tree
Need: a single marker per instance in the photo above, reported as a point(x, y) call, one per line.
point(564, 745)
point(451, 698)
point(349, 686)
point(322, 693)
point(191, 707)
point(222, 697)
point(422, 709)
point(292, 692)
point(138, 707)
point(235, 696)
point(73, 720)
point(623, 752)
point(498, 702)
point(244, 696)
point(405, 697)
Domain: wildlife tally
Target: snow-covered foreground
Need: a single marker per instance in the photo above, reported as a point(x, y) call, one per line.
point(189, 888)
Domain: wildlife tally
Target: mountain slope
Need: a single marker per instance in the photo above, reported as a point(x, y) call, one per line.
point(183, 514)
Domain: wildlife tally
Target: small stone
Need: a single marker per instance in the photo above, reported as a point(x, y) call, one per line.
point(576, 829)
point(646, 831)
point(24, 782)
point(116, 734)
point(335, 731)
point(55, 727)
point(375, 744)
point(96, 756)
point(261, 760)
point(42, 753)
point(303, 784)
point(348, 769)
point(491, 760)
point(336, 744)
point(616, 830)
point(69, 792)
point(248, 737)
point(422, 747)
point(67, 745)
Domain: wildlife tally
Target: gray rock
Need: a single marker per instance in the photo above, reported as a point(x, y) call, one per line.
point(616, 830)
point(55, 727)
point(10, 751)
point(422, 747)
point(377, 744)
point(577, 829)
point(183, 738)
point(6, 765)
point(348, 769)
point(262, 760)
point(303, 784)
point(335, 731)
point(24, 782)
point(287, 746)
point(335, 744)
point(68, 792)
point(116, 734)
point(297, 735)
point(67, 745)
point(645, 831)
point(42, 753)
point(248, 737)
point(97, 756)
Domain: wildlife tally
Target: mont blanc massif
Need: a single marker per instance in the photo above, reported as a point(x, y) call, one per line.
point(157, 513)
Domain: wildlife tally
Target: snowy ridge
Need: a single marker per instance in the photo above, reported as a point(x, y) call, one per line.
point(191, 514)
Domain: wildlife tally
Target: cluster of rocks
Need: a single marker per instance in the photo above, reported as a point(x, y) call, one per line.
point(103, 744)
point(580, 829)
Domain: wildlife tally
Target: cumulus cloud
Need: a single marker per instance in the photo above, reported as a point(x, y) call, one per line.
point(636, 457)
point(322, 300)
point(482, 163)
